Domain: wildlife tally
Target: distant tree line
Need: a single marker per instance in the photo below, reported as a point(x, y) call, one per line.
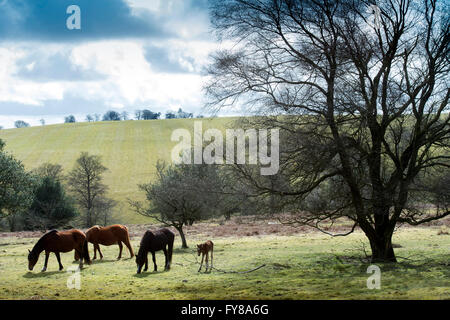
point(111, 115)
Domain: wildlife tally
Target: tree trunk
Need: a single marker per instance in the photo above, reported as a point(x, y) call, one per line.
point(12, 223)
point(183, 237)
point(382, 250)
point(88, 218)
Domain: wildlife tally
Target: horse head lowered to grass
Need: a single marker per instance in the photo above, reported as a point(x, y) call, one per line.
point(59, 241)
point(153, 241)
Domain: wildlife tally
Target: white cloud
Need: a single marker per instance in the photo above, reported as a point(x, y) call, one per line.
point(129, 77)
point(22, 91)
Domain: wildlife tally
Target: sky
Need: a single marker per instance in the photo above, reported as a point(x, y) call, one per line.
point(128, 55)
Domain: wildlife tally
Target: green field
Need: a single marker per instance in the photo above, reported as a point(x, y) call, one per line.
point(302, 266)
point(129, 150)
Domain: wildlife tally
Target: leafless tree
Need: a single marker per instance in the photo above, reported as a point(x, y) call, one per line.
point(179, 196)
point(361, 100)
point(85, 182)
point(50, 170)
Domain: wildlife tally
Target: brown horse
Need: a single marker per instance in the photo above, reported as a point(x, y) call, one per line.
point(59, 241)
point(204, 249)
point(107, 236)
point(153, 241)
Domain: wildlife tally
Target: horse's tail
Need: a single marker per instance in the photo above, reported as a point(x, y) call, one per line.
point(170, 248)
point(128, 243)
point(86, 252)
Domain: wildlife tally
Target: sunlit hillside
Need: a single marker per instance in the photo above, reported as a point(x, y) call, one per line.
point(129, 150)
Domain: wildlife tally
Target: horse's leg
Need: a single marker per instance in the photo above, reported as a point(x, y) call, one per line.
point(127, 243)
point(146, 262)
point(99, 251)
point(201, 264)
point(47, 254)
point(207, 259)
point(166, 266)
point(80, 253)
point(95, 252)
point(154, 262)
point(59, 261)
point(120, 250)
point(212, 250)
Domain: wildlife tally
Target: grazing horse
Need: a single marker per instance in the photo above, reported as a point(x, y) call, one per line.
point(107, 236)
point(153, 241)
point(59, 241)
point(204, 249)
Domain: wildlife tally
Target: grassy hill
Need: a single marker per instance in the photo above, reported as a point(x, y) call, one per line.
point(129, 149)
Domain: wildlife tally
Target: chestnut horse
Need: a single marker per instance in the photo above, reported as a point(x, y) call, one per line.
point(107, 236)
point(153, 241)
point(59, 241)
point(204, 249)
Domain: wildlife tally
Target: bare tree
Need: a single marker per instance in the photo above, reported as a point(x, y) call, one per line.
point(50, 170)
point(85, 182)
point(124, 116)
point(97, 117)
point(365, 98)
point(138, 114)
point(179, 196)
point(103, 210)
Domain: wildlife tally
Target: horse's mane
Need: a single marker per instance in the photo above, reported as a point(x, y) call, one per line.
point(41, 240)
point(147, 234)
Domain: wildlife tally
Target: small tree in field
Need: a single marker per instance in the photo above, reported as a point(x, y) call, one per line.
point(111, 116)
point(70, 119)
point(21, 124)
point(85, 182)
point(179, 196)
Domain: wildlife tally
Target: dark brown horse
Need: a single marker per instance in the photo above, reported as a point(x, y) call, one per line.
point(107, 236)
point(204, 249)
point(59, 241)
point(153, 241)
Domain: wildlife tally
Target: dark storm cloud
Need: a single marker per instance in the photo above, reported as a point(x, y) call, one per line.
point(45, 20)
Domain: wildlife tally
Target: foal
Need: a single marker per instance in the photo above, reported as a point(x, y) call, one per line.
point(204, 248)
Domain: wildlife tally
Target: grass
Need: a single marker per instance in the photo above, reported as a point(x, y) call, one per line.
point(303, 266)
point(129, 149)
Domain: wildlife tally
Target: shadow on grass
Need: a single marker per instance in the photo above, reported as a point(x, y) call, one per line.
point(33, 275)
point(348, 266)
point(184, 250)
point(145, 274)
point(101, 261)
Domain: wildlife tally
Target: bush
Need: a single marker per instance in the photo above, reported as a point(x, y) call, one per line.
point(111, 116)
point(21, 124)
point(51, 208)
